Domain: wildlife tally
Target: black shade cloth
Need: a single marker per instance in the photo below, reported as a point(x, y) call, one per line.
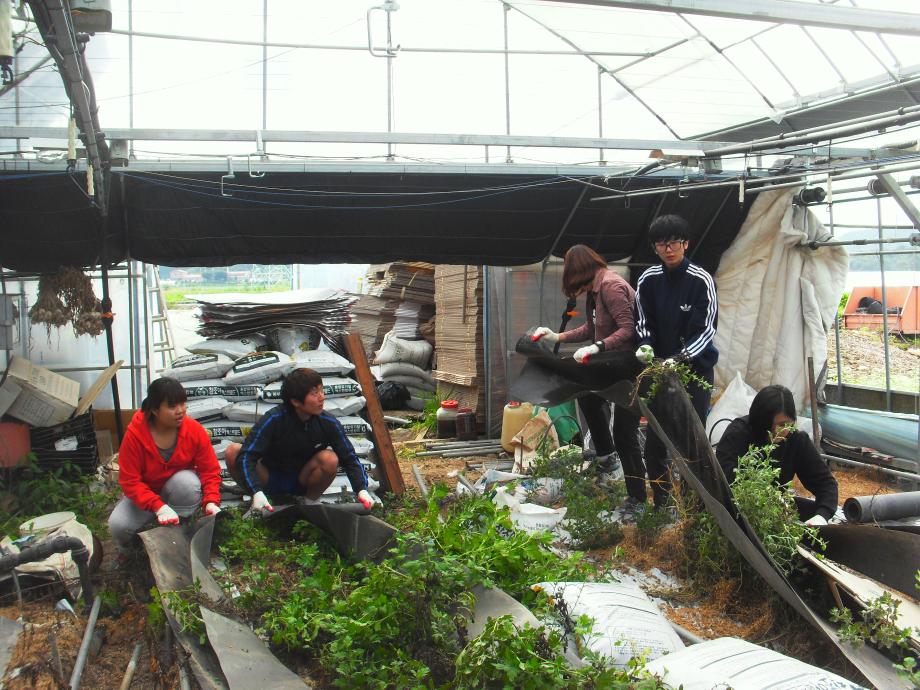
point(181, 219)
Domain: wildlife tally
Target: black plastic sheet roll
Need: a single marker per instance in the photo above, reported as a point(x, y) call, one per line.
point(882, 507)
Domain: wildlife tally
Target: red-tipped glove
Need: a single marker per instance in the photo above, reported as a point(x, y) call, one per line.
point(167, 516)
point(545, 333)
point(260, 503)
point(365, 499)
point(211, 509)
point(583, 354)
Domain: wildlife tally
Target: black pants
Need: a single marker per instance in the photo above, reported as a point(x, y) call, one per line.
point(656, 456)
point(625, 439)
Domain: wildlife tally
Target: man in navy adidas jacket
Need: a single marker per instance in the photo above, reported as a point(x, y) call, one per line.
point(676, 316)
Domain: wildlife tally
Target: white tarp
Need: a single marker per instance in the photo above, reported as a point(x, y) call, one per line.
point(777, 297)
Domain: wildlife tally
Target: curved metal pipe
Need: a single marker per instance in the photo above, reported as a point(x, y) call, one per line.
point(61, 544)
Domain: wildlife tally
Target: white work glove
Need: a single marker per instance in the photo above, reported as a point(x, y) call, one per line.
point(545, 333)
point(365, 499)
point(670, 362)
point(645, 354)
point(816, 521)
point(167, 516)
point(583, 353)
point(260, 503)
point(211, 509)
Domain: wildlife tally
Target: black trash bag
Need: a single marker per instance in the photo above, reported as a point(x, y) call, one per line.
point(393, 396)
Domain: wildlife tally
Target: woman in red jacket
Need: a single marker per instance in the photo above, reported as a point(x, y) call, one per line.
point(167, 466)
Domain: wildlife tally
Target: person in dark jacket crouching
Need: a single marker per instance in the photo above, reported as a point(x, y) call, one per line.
point(772, 416)
point(296, 448)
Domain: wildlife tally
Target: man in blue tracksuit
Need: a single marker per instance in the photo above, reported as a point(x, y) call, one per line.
point(296, 448)
point(676, 316)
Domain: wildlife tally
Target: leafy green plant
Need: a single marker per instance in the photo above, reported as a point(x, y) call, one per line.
point(30, 491)
point(655, 373)
point(909, 670)
point(184, 605)
point(156, 616)
point(428, 419)
point(769, 508)
point(587, 502)
point(878, 624)
point(649, 522)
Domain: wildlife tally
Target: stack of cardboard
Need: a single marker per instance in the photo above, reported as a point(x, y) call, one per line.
point(400, 298)
point(460, 368)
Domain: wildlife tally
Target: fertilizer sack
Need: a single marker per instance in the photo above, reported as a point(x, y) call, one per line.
point(354, 426)
point(234, 348)
point(260, 367)
point(208, 388)
point(323, 362)
point(249, 410)
point(361, 445)
point(393, 349)
point(227, 430)
point(340, 387)
point(291, 339)
point(413, 383)
point(386, 372)
point(206, 409)
point(194, 367)
point(344, 407)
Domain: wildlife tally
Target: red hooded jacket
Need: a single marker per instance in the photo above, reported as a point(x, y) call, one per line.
point(142, 472)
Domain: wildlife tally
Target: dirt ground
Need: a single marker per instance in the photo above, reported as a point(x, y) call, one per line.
point(863, 359)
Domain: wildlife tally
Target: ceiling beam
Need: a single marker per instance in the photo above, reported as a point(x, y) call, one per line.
point(779, 12)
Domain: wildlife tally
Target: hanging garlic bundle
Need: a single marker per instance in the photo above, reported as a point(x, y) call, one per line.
point(67, 296)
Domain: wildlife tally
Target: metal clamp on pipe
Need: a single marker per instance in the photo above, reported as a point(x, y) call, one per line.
point(61, 544)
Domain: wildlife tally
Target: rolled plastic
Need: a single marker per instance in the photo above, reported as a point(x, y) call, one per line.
point(882, 507)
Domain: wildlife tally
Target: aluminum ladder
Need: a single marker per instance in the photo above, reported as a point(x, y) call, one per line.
point(162, 345)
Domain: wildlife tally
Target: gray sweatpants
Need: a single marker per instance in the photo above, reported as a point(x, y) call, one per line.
point(181, 492)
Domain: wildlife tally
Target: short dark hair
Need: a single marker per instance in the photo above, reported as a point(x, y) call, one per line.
point(162, 390)
point(581, 263)
point(769, 402)
point(670, 227)
point(298, 384)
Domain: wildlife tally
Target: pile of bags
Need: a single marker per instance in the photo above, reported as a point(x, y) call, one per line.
point(404, 364)
point(230, 384)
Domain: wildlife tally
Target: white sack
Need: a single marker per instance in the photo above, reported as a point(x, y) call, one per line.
point(249, 410)
point(413, 383)
point(207, 388)
point(345, 406)
point(777, 297)
point(387, 371)
point(203, 409)
point(261, 367)
point(227, 430)
point(354, 426)
point(393, 349)
point(291, 339)
point(340, 387)
point(734, 402)
point(323, 362)
point(528, 517)
point(627, 623)
point(362, 445)
point(234, 348)
point(195, 367)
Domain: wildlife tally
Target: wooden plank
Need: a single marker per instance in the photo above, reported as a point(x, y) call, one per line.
point(391, 478)
point(101, 382)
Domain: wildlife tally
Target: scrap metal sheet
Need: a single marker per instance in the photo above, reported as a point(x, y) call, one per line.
point(354, 535)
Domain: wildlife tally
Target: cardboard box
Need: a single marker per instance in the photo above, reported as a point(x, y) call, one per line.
point(46, 398)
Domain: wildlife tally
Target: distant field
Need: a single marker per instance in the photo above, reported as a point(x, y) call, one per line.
point(863, 355)
point(175, 295)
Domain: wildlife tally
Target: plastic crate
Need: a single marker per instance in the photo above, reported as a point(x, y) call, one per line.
point(48, 442)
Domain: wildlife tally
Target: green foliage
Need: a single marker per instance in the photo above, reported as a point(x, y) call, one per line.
point(396, 623)
point(184, 605)
point(909, 670)
point(657, 371)
point(30, 491)
point(649, 522)
point(841, 305)
point(505, 656)
point(156, 616)
point(769, 509)
point(428, 419)
point(587, 502)
point(711, 557)
point(878, 624)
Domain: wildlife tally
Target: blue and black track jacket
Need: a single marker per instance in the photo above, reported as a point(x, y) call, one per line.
point(677, 312)
point(284, 443)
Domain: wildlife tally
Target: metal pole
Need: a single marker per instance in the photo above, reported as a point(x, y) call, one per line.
point(130, 75)
point(840, 389)
point(264, 64)
point(507, 9)
point(813, 395)
point(147, 355)
point(84, 646)
point(870, 466)
point(487, 347)
point(881, 266)
point(600, 111)
point(132, 665)
point(390, 57)
point(132, 321)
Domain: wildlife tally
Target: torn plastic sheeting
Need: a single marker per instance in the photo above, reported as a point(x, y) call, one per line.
point(741, 665)
point(354, 535)
point(529, 517)
point(672, 397)
point(492, 602)
point(169, 551)
point(245, 659)
point(626, 623)
point(549, 380)
point(888, 556)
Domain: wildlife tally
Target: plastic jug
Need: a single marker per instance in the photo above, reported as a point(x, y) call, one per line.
point(447, 419)
point(466, 425)
point(514, 417)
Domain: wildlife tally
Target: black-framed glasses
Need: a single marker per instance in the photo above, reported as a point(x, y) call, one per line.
point(669, 246)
